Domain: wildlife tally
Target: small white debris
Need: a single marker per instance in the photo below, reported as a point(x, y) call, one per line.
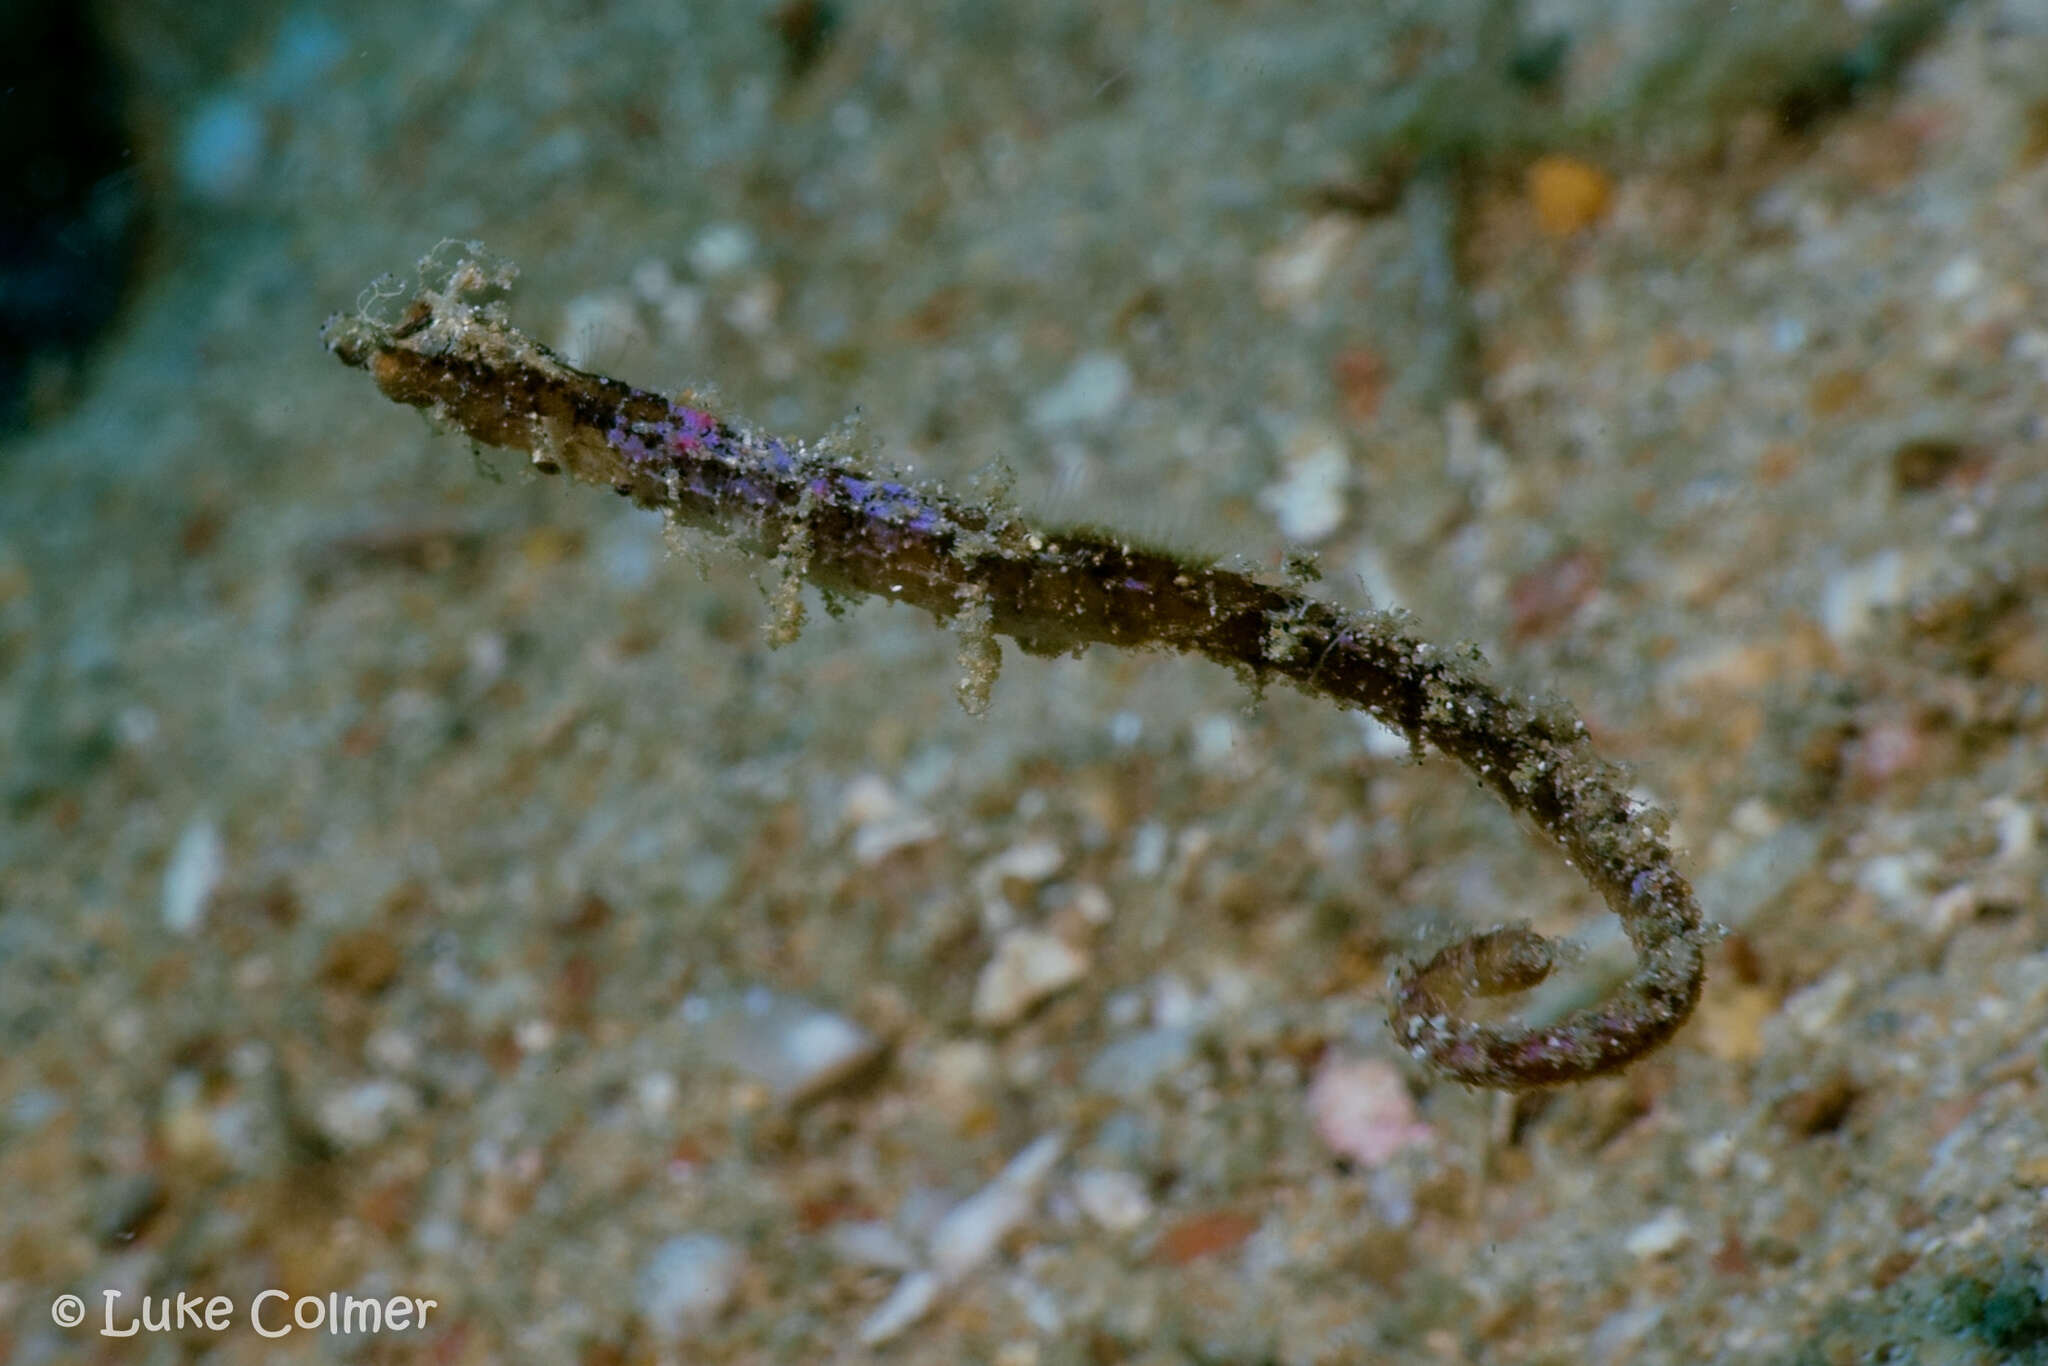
point(1711, 1157)
point(534, 1035)
point(652, 279)
point(1042, 1309)
point(1291, 275)
point(1391, 1191)
point(137, 726)
point(629, 550)
point(191, 876)
point(30, 1109)
point(1308, 502)
point(184, 1127)
point(655, 1093)
point(1149, 843)
point(870, 1242)
point(1361, 1108)
point(437, 1236)
point(1660, 1236)
point(389, 1048)
point(2017, 830)
point(1813, 1011)
point(1755, 819)
point(873, 843)
point(366, 1113)
point(1898, 880)
point(1619, 1338)
point(687, 1283)
point(1132, 1065)
point(487, 653)
point(794, 1048)
point(882, 823)
point(1115, 1200)
point(1215, 737)
point(1958, 279)
point(964, 1237)
point(721, 249)
point(680, 312)
point(1125, 729)
point(1031, 862)
point(680, 307)
point(910, 1301)
point(752, 310)
point(1850, 601)
point(1476, 461)
point(959, 1076)
point(970, 1231)
point(1028, 966)
point(1175, 1005)
point(1950, 909)
point(1095, 386)
point(1093, 904)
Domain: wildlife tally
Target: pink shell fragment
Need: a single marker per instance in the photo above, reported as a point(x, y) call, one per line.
point(1361, 1108)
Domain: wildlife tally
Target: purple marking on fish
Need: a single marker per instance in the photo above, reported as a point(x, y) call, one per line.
point(688, 428)
point(856, 489)
point(629, 444)
point(895, 502)
point(1463, 1056)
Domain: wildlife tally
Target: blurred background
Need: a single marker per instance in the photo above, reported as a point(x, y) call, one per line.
point(421, 880)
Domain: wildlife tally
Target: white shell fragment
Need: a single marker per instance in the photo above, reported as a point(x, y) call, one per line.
point(971, 1229)
point(910, 1301)
point(796, 1049)
point(1115, 1200)
point(191, 876)
point(1134, 1063)
point(1094, 388)
point(965, 1236)
point(687, 1283)
point(1031, 862)
point(366, 1113)
point(1361, 1108)
point(882, 823)
point(1659, 1236)
point(870, 1242)
point(1028, 966)
point(1292, 275)
point(1308, 500)
point(721, 249)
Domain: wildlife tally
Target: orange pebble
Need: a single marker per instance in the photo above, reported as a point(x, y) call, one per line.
point(1568, 194)
point(1204, 1235)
